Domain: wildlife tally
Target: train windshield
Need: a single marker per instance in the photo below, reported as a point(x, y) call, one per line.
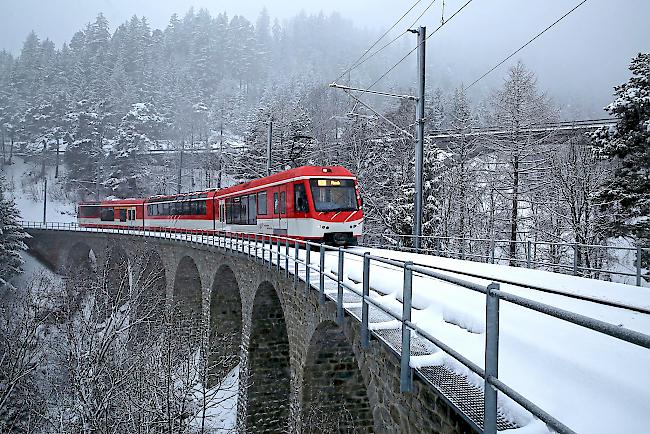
point(333, 195)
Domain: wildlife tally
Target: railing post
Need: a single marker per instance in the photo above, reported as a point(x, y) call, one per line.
point(321, 269)
point(365, 335)
point(575, 259)
point(307, 269)
point(295, 265)
point(491, 358)
point(279, 250)
point(492, 248)
point(528, 253)
point(286, 257)
point(406, 374)
point(339, 289)
point(638, 265)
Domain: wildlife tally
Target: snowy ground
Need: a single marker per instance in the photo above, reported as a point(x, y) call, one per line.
point(28, 194)
point(221, 405)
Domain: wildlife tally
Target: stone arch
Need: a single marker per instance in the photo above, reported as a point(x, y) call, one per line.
point(80, 259)
point(116, 282)
point(334, 394)
point(269, 374)
point(150, 288)
point(80, 269)
point(187, 295)
point(225, 324)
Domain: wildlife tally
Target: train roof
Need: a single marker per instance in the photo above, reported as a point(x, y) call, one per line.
point(298, 172)
point(130, 201)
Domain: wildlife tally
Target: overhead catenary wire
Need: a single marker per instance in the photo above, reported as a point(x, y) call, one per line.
point(525, 45)
point(392, 41)
point(417, 46)
point(356, 62)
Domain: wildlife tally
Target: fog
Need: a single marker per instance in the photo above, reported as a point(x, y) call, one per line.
point(578, 61)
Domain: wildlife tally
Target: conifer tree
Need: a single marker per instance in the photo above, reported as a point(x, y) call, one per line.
point(12, 237)
point(627, 194)
point(137, 132)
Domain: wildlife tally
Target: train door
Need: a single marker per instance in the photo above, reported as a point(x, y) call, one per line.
point(280, 210)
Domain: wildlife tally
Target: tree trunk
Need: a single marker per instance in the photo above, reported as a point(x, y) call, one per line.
point(515, 210)
point(43, 159)
point(56, 170)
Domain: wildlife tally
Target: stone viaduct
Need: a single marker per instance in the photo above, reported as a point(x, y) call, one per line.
point(300, 366)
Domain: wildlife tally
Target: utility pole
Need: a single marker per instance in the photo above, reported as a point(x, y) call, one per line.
point(419, 145)
point(419, 142)
point(220, 156)
point(58, 147)
point(268, 147)
point(180, 168)
point(45, 201)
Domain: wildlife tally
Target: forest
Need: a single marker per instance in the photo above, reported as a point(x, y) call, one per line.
point(137, 111)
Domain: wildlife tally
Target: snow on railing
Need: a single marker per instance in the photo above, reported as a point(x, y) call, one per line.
point(274, 251)
point(566, 258)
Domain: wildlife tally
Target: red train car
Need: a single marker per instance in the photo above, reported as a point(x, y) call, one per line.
point(310, 202)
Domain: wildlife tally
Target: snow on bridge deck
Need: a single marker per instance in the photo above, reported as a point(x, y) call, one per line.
point(591, 382)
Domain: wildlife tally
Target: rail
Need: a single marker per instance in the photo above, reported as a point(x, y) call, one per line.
point(275, 252)
point(586, 260)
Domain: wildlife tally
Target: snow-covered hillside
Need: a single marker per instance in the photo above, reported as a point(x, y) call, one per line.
point(27, 191)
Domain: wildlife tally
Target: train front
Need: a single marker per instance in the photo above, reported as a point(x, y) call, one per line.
point(337, 211)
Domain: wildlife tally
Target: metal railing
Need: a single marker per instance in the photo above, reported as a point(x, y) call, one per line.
point(275, 252)
point(586, 260)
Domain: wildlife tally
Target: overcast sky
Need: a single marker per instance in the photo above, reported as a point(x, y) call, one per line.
point(584, 55)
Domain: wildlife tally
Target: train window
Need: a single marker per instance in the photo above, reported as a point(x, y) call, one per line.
point(122, 215)
point(203, 207)
point(107, 214)
point(276, 204)
point(283, 202)
point(229, 210)
point(300, 198)
point(261, 203)
point(252, 209)
point(236, 208)
point(186, 208)
point(333, 195)
point(88, 212)
point(165, 208)
point(243, 215)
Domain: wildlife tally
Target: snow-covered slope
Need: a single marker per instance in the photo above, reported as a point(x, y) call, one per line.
point(28, 194)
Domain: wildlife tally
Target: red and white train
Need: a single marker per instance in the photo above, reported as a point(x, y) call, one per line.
point(308, 203)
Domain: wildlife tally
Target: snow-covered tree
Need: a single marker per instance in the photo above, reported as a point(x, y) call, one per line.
point(399, 213)
point(292, 138)
point(12, 237)
point(137, 132)
point(83, 154)
point(627, 195)
point(516, 107)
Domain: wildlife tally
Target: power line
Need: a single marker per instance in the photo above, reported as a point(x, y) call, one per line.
point(526, 44)
point(386, 45)
point(355, 63)
point(417, 46)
